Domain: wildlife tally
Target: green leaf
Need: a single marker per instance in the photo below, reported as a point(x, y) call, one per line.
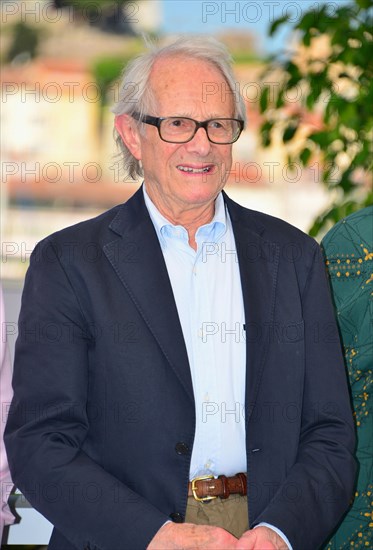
point(309, 20)
point(305, 156)
point(364, 4)
point(325, 24)
point(311, 100)
point(339, 37)
point(280, 102)
point(345, 182)
point(289, 133)
point(348, 116)
point(333, 107)
point(293, 70)
point(363, 158)
point(277, 23)
point(294, 73)
point(307, 39)
point(264, 99)
point(320, 138)
point(266, 131)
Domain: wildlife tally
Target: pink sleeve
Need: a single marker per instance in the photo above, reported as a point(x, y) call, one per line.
point(6, 392)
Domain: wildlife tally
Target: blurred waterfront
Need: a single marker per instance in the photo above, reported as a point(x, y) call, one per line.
point(58, 155)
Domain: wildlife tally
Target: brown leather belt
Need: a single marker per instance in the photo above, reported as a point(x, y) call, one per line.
point(205, 488)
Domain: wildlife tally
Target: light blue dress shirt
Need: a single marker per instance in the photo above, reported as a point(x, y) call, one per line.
point(208, 294)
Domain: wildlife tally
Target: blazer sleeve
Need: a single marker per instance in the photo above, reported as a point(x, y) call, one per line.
point(48, 421)
point(318, 487)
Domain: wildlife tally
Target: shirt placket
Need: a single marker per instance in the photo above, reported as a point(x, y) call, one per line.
point(207, 407)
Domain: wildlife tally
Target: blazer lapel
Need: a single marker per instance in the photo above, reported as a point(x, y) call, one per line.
point(136, 256)
point(258, 262)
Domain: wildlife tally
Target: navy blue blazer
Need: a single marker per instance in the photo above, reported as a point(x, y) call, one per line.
point(103, 390)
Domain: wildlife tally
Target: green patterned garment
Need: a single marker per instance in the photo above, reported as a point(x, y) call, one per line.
point(348, 249)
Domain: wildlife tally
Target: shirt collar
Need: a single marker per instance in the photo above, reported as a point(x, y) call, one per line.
point(163, 227)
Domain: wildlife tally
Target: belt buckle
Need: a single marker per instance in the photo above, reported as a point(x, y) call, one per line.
point(194, 489)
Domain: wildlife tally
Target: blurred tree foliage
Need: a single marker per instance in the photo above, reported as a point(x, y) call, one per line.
point(106, 71)
point(90, 5)
point(336, 82)
point(107, 15)
point(25, 41)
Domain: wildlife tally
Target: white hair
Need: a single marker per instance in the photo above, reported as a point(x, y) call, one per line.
point(135, 94)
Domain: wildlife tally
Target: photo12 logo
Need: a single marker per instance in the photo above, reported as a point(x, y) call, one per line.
point(50, 12)
point(253, 12)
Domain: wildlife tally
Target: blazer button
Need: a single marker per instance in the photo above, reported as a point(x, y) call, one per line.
point(181, 448)
point(176, 517)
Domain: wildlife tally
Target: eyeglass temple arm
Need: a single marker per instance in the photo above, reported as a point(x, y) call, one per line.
point(148, 119)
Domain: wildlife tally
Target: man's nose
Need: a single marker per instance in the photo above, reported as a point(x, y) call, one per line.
point(200, 143)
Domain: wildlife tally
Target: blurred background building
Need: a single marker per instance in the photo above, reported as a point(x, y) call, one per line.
point(60, 64)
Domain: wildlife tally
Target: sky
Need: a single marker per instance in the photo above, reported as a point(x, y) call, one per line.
point(210, 17)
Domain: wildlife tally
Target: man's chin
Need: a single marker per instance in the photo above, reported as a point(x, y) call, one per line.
point(204, 183)
point(202, 197)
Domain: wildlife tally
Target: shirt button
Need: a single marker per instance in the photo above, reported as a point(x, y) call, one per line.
point(181, 448)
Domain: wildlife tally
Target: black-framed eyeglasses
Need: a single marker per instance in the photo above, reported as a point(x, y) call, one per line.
point(172, 129)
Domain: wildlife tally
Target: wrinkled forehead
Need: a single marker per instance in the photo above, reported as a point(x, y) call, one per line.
point(184, 80)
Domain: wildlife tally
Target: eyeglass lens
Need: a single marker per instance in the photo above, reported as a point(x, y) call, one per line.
point(183, 129)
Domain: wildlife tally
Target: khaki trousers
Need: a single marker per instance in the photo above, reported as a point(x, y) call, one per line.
point(231, 514)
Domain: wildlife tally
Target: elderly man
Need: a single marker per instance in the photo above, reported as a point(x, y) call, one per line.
point(183, 387)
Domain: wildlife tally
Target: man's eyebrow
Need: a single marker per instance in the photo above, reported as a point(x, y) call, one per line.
point(181, 114)
point(189, 115)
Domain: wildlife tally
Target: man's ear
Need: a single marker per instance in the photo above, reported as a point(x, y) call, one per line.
point(128, 131)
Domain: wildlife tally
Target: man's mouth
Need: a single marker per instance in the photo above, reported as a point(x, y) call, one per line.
point(193, 170)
